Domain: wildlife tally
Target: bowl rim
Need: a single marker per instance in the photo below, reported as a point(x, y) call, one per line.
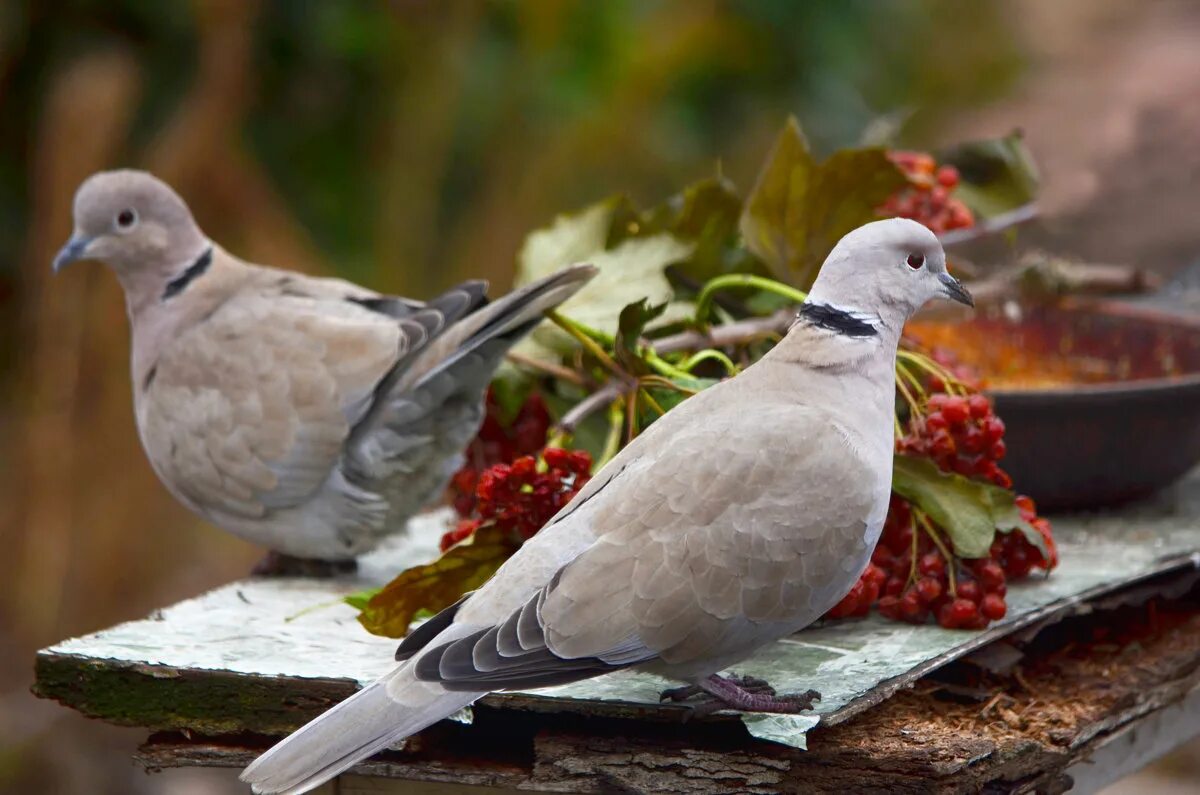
point(1111, 308)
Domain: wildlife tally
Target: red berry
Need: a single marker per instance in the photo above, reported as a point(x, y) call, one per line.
point(932, 564)
point(894, 586)
point(969, 590)
point(911, 609)
point(875, 575)
point(929, 589)
point(962, 610)
point(956, 411)
point(990, 575)
point(994, 428)
point(998, 450)
point(936, 421)
point(993, 607)
point(947, 176)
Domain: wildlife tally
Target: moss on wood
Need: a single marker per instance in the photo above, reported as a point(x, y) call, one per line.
point(164, 698)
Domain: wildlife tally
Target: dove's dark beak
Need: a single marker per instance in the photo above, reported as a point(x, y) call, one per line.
point(954, 290)
point(76, 248)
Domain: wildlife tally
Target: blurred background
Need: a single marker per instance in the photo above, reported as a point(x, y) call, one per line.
point(408, 145)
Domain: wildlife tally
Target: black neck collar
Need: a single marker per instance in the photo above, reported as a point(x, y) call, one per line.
point(193, 272)
point(839, 321)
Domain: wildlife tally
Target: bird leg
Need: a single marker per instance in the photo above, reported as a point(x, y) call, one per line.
point(744, 693)
point(277, 564)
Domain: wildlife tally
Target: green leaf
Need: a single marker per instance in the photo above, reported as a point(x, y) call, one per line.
point(629, 271)
point(437, 585)
point(970, 511)
point(630, 325)
point(997, 174)
point(359, 599)
point(799, 208)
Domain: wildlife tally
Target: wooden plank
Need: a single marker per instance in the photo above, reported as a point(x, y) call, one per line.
point(1072, 698)
point(267, 655)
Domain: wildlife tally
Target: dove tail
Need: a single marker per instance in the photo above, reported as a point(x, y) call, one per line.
point(480, 340)
point(513, 314)
point(378, 716)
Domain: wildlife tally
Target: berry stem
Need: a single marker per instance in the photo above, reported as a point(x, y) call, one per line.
point(585, 338)
point(914, 409)
point(651, 402)
point(631, 423)
point(612, 443)
point(923, 520)
point(912, 566)
point(952, 383)
point(913, 381)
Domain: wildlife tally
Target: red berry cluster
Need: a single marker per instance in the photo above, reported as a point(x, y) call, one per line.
point(498, 443)
point(927, 198)
point(523, 496)
point(910, 578)
point(961, 434)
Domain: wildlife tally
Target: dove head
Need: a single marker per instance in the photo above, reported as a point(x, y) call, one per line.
point(133, 222)
point(884, 272)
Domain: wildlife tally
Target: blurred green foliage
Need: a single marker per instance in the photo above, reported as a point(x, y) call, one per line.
point(652, 92)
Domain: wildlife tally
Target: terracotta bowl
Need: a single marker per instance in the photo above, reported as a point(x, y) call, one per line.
point(1124, 423)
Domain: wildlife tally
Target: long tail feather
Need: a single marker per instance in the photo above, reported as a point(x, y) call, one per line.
point(377, 717)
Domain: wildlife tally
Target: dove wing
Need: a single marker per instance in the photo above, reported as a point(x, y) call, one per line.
point(248, 410)
point(740, 530)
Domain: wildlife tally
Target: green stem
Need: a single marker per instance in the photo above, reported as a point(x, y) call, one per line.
point(586, 338)
point(705, 299)
point(665, 383)
point(689, 364)
point(953, 385)
point(612, 442)
point(937, 542)
point(662, 366)
point(650, 401)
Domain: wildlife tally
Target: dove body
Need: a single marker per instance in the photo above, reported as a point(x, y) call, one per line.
point(740, 516)
point(309, 415)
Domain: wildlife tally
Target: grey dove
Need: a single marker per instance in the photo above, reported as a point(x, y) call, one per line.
point(309, 415)
point(740, 516)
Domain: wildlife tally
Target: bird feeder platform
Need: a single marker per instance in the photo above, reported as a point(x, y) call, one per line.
point(1094, 672)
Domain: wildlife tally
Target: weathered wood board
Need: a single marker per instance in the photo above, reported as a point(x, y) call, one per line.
point(262, 655)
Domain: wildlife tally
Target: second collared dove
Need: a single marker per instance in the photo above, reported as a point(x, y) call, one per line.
point(308, 415)
point(740, 516)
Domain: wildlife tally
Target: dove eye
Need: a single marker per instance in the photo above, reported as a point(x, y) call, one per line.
point(126, 219)
point(916, 261)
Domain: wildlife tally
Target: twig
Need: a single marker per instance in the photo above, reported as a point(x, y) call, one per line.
point(728, 334)
point(593, 403)
point(997, 223)
point(549, 368)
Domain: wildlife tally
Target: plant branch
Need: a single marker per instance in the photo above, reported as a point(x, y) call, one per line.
point(990, 226)
point(737, 333)
point(549, 368)
point(593, 403)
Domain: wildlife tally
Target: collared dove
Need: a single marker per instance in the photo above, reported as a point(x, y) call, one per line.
point(740, 516)
point(308, 415)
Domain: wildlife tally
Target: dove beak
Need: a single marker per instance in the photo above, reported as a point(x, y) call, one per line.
point(953, 289)
point(75, 249)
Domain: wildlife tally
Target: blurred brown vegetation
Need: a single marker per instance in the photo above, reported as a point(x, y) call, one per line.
point(405, 145)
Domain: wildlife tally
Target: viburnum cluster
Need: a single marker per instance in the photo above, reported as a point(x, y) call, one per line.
point(524, 495)
point(510, 478)
point(499, 443)
point(928, 197)
point(914, 574)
